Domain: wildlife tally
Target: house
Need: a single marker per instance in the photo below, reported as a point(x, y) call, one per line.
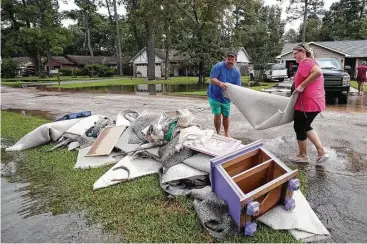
point(78, 61)
point(349, 53)
point(82, 61)
point(25, 65)
point(177, 63)
point(23, 62)
point(59, 62)
point(243, 59)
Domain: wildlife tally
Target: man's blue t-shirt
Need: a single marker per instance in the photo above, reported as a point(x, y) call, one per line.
point(222, 73)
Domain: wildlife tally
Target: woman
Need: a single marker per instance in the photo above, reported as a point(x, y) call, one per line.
point(309, 83)
point(361, 77)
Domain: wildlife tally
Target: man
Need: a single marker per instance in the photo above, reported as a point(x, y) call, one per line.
point(222, 73)
point(252, 72)
point(361, 77)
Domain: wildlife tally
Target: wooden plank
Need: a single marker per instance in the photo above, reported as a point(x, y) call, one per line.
point(277, 171)
point(243, 166)
point(105, 142)
point(269, 186)
point(253, 182)
point(272, 199)
point(264, 156)
point(241, 158)
point(234, 186)
point(252, 171)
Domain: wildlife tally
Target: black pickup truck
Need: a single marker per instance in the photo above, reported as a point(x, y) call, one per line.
point(336, 80)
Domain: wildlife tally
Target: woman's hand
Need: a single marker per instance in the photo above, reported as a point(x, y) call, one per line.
point(299, 89)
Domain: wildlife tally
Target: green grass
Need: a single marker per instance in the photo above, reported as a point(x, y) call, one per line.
point(139, 210)
point(355, 85)
point(35, 79)
point(48, 79)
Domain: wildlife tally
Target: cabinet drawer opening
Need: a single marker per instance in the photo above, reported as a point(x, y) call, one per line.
point(245, 162)
point(258, 176)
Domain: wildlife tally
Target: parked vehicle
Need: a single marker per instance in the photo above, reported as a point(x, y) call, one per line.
point(336, 80)
point(275, 72)
point(28, 72)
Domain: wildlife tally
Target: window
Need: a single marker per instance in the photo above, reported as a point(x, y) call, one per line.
point(277, 67)
point(328, 63)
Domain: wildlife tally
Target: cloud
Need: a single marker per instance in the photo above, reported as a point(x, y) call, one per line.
point(70, 4)
point(296, 23)
point(66, 5)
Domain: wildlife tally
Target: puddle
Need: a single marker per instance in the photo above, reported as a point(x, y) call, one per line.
point(149, 89)
point(337, 189)
point(345, 161)
point(35, 113)
point(337, 196)
point(20, 223)
point(8, 160)
point(43, 228)
point(355, 104)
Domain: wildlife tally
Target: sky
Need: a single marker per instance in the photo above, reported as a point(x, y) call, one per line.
point(70, 4)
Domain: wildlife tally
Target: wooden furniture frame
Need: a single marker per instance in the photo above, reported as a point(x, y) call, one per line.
point(252, 181)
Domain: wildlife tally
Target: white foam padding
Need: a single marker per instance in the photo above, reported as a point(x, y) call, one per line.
point(123, 142)
point(84, 162)
point(199, 161)
point(262, 110)
point(121, 120)
point(136, 168)
point(301, 222)
point(84, 124)
point(181, 171)
point(43, 134)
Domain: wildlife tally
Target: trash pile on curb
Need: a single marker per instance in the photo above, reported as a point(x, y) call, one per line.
point(170, 144)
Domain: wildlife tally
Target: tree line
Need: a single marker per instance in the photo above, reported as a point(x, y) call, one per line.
point(33, 28)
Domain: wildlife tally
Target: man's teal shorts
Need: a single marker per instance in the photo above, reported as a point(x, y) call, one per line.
point(220, 108)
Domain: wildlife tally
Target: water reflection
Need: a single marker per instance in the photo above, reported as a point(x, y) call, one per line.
point(151, 89)
point(355, 104)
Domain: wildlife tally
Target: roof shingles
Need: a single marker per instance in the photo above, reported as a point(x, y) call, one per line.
point(356, 48)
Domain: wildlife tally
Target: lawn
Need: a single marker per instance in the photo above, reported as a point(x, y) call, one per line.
point(48, 79)
point(139, 210)
point(35, 79)
point(355, 85)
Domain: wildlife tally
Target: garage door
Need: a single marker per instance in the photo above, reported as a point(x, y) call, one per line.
point(142, 68)
point(158, 70)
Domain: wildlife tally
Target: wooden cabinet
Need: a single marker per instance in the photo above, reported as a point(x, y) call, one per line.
point(252, 181)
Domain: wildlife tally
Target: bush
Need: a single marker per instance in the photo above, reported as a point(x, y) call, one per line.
point(8, 68)
point(66, 72)
point(80, 72)
point(100, 70)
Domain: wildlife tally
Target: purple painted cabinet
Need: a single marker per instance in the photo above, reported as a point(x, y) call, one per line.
point(252, 181)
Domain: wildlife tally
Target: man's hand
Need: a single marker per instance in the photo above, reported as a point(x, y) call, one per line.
point(223, 85)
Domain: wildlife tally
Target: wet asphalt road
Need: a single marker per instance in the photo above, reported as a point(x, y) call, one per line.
point(337, 189)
